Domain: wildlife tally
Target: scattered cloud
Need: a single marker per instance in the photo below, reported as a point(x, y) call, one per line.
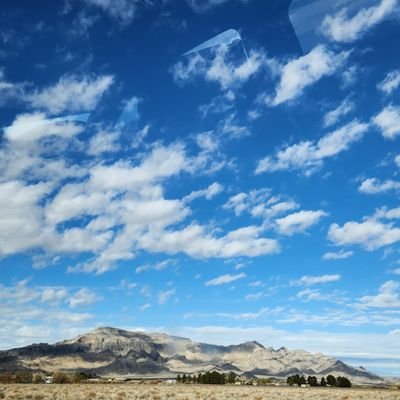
point(341, 255)
point(82, 298)
point(164, 296)
point(390, 83)
point(388, 121)
point(388, 296)
point(343, 28)
point(316, 280)
point(308, 156)
point(220, 69)
point(209, 193)
point(71, 93)
point(335, 115)
point(302, 72)
point(375, 186)
point(370, 234)
point(298, 222)
point(160, 266)
point(224, 279)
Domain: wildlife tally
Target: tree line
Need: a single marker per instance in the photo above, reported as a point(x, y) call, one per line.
point(29, 377)
point(208, 378)
point(330, 380)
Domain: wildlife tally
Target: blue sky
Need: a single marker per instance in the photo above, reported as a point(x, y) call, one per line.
point(217, 196)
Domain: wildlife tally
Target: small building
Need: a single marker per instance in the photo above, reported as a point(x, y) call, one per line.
point(170, 381)
point(48, 379)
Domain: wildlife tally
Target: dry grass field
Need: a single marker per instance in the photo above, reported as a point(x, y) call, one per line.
point(186, 392)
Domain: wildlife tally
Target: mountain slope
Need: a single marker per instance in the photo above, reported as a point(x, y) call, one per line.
point(115, 352)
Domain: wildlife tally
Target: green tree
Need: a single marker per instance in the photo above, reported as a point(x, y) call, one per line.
point(231, 378)
point(342, 381)
point(323, 381)
point(179, 379)
point(312, 381)
point(290, 380)
point(331, 380)
point(302, 381)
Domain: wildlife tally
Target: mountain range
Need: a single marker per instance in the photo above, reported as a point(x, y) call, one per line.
point(111, 352)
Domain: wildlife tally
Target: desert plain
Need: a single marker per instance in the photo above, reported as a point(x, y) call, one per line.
point(187, 392)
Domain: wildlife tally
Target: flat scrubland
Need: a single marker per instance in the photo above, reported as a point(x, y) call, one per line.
point(186, 392)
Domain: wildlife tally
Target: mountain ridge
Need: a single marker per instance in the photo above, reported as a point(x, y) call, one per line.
point(108, 351)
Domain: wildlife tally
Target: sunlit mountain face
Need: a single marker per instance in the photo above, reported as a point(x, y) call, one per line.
point(224, 170)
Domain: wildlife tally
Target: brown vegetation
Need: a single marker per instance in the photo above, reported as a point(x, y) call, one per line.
point(185, 392)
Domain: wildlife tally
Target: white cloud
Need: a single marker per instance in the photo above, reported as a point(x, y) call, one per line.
point(155, 267)
point(388, 296)
point(388, 121)
point(371, 234)
point(397, 160)
point(254, 296)
point(209, 193)
point(396, 271)
point(83, 297)
point(71, 93)
point(343, 28)
point(334, 116)
point(341, 255)
point(300, 73)
point(205, 5)
point(54, 295)
point(390, 83)
point(298, 222)
point(225, 279)
point(103, 142)
point(308, 295)
point(309, 156)
point(315, 280)
point(29, 128)
point(374, 186)
point(163, 297)
point(21, 225)
point(219, 69)
point(194, 241)
point(122, 10)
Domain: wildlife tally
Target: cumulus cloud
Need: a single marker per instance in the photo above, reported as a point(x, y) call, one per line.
point(83, 297)
point(341, 255)
point(205, 5)
point(309, 156)
point(122, 10)
point(298, 222)
point(375, 186)
point(71, 93)
point(163, 297)
point(388, 296)
point(209, 193)
point(160, 266)
point(220, 69)
point(195, 241)
point(104, 142)
point(370, 234)
point(315, 280)
point(334, 116)
point(388, 121)
point(344, 28)
point(302, 72)
point(29, 128)
point(390, 83)
point(225, 279)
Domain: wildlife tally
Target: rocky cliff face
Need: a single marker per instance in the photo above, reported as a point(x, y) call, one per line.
point(115, 352)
